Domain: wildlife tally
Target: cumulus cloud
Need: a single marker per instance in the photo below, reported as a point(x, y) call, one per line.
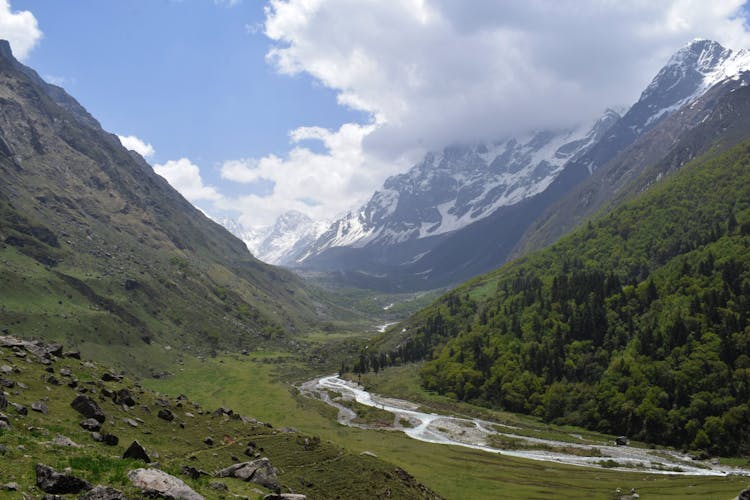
point(320, 184)
point(141, 147)
point(185, 177)
point(20, 28)
point(433, 72)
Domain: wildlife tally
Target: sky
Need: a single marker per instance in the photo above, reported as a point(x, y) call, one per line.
point(252, 108)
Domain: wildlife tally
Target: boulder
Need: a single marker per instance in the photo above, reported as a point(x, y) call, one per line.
point(124, 397)
point(166, 414)
point(155, 482)
point(20, 409)
point(11, 486)
point(40, 406)
point(61, 440)
point(51, 481)
point(91, 424)
point(258, 471)
point(108, 439)
point(104, 493)
point(109, 377)
point(136, 452)
point(88, 408)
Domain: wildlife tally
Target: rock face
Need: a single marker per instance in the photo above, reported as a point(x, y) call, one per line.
point(258, 471)
point(88, 408)
point(51, 481)
point(156, 482)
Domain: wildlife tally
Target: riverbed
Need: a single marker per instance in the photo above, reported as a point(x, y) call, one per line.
point(484, 435)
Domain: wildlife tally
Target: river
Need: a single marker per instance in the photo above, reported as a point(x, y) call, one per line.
point(478, 434)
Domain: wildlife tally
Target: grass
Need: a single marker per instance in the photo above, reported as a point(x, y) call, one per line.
point(454, 472)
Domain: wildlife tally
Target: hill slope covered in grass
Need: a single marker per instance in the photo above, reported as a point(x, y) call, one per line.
point(637, 323)
point(39, 425)
point(98, 251)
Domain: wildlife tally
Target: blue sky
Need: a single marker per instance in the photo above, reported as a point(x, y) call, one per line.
point(256, 107)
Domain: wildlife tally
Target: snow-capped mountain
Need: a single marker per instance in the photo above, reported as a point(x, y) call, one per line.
point(282, 242)
point(467, 206)
point(461, 185)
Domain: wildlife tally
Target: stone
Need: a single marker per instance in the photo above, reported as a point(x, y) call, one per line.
point(40, 406)
point(10, 486)
point(88, 408)
point(155, 482)
point(130, 422)
point(65, 372)
point(3, 401)
point(104, 493)
point(72, 354)
point(192, 472)
point(136, 452)
point(744, 494)
point(4, 382)
point(621, 441)
point(61, 440)
point(258, 471)
point(209, 441)
point(6, 369)
point(90, 424)
point(108, 439)
point(166, 414)
point(51, 481)
point(216, 485)
point(20, 409)
point(285, 496)
point(124, 397)
point(109, 377)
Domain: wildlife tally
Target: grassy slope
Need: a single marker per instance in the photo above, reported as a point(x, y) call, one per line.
point(323, 471)
point(453, 472)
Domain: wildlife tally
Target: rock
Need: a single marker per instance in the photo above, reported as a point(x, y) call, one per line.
point(215, 485)
point(90, 424)
point(65, 372)
point(285, 496)
point(4, 382)
point(88, 408)
point(51, 481)
point(20, 409)
point(130, 422)
point(40, 406)
point(621, 441)
point(124, 397)
point(6, 369)
point(107, 393)
point(61, 440)
point(52, 380)
point(744, 494)
point(209, 441)
point(166, 414)
point(223, 411)
point(72, 354)
point(10, 486)
point(108, 439)
point(258, 471)
point(192, 472)
point(3, 401)
point(156, 482)
point(104, 493)
point(109, 377)
point(4, 425)
point(136, 452)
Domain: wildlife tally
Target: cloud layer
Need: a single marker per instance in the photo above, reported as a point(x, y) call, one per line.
point(20, 29)
point(438, 71)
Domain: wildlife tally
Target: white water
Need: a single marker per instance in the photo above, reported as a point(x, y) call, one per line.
point(474, 433)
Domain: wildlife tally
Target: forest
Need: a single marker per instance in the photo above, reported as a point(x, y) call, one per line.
point(637, 323)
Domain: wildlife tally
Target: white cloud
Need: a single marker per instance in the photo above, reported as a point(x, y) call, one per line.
point(320, 184)
point(20, 29)
point(141, 147)
point(185, 177)
point(439, 71)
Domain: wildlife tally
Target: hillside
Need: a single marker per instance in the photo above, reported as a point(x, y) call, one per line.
point(635, 324)
point(99, 251)
point(64, 412)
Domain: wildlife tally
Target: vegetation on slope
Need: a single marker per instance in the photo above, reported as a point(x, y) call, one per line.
point(635, 324)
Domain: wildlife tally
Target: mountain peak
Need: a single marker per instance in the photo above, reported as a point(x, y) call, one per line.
point(700, 54)
point(5, 50)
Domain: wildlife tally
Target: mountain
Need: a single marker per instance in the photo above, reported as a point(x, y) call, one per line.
point(98, 250)
point(635, 323)
point(464, 211)
point(283, 242)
